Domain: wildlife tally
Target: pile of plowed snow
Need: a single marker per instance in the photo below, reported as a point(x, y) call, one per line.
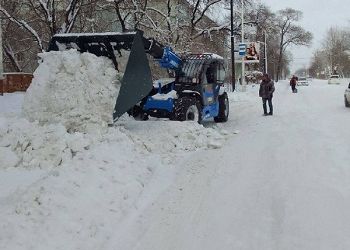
point(66, 178)
point(75, 89)
point(69, 104)
point(26, 144)
point(173, 137)
point(29, 145)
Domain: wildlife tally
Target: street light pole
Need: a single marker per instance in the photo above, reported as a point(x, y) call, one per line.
point(232, 51)
point(243, 64)
point(265, 52)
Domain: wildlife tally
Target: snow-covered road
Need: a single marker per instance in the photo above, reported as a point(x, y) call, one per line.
point(283, 182)
point(255, 182)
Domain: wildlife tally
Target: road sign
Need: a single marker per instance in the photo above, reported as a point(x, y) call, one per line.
point(242, 49)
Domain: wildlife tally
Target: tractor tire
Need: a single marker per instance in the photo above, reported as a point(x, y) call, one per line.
point(223, 108)
point(138, 113)
point(188, 109)
point(347, 104)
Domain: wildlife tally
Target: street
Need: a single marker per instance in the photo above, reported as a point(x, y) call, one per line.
point(282, 182)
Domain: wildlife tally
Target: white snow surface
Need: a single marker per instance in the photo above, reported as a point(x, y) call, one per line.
point(255, 182)
point(74, 89)
point(67, 180)
point(172, 94)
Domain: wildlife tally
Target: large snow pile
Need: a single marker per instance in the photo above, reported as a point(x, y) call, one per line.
point(72, 88)
point(26, 144)
point(80, 203)
point(67, 179)
point(29, 145)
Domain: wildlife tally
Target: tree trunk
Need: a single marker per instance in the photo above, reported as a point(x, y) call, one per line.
point(279, 64)
point(9, 53)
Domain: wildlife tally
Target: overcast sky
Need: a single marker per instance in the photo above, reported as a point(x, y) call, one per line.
point(318, 17)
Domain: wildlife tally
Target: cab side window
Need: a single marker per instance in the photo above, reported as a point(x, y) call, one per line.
point(211, 73)
point(221, 74)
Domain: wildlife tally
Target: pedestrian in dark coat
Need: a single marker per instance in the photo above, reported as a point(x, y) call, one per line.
point(267, 87)
point(293, 83)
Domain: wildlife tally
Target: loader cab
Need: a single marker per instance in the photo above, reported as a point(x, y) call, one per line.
point(213, 79)
point(201, 69)
point(202, 77)
point(202, 74)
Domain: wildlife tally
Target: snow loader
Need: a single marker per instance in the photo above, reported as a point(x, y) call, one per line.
point(195, 93)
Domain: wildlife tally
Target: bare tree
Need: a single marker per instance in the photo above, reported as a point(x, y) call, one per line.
point(40, 20)
point(290, 33)
point(334, 55)
point(183, 24)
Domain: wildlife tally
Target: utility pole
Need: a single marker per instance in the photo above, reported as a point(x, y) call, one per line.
point(265, 51)
point(243, 63)
point(232, 51)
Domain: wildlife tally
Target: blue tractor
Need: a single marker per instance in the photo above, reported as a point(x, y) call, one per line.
point(196, 91)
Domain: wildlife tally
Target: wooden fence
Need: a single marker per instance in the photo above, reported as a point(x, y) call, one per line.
point(13, 82)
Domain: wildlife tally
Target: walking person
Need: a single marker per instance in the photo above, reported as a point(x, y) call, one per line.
point(293, 83)
point(267, 87)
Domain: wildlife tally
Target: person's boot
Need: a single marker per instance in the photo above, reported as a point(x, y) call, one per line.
point(265, 110)
point(271, 110)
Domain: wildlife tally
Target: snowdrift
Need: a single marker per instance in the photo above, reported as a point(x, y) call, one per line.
point(75, 89)
point(68, 107)
point(67, 179)
point(29, 145)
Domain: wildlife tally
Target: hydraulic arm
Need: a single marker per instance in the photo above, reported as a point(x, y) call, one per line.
point(106, 44)
point(137, 80)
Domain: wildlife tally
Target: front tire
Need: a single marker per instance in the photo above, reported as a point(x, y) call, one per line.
point(224, 108)
point(188, 109)
point(138, 113)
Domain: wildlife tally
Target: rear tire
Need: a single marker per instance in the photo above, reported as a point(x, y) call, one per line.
point(347, 104)
point(188, 109)
point(224, 108)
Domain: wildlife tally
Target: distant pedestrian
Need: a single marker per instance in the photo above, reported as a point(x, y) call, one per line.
point(293, 83)
point(267, 87)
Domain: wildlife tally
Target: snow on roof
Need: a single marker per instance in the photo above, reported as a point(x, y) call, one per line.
point(16, 73)
point(95, 34)
point(214, 56)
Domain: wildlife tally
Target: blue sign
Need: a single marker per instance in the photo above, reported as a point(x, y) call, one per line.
point(242, 49)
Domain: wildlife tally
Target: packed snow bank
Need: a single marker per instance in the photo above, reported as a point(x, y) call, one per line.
point(29, 145)
point(174, 137)
point(11, 103)
point(72, 88)
point(67, 179)
point(82, 202)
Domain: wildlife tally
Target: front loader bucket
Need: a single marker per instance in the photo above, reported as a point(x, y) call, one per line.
point(137, 81)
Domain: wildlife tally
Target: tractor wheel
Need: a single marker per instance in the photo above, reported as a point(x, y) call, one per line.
point(138, 113)
point(347, 104)
point(223, 108)
point(188, 109)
